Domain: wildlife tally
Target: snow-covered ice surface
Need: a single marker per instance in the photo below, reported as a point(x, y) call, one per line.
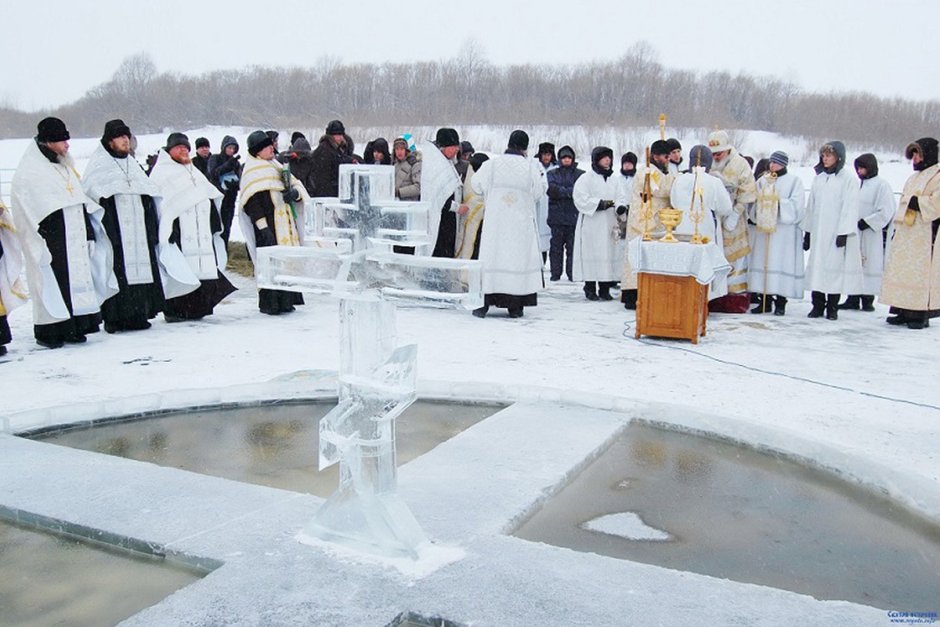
point(854, 396)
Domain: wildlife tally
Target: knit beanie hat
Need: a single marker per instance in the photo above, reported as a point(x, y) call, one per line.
point(780, 158)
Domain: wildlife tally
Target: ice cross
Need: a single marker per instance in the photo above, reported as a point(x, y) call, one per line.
point(348, 255)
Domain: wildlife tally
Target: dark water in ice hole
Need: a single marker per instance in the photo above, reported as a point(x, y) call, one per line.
point(739, 514)
point(270, 445)
point(47, 579)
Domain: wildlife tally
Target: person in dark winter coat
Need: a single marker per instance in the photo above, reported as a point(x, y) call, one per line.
point(203, 153)
point(562, 214)
point(334, 150)
point(300, 160)
point(225, 172)
point(377, 152)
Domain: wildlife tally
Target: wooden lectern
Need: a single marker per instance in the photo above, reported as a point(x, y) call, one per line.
point(672, 284)
point(671, 306)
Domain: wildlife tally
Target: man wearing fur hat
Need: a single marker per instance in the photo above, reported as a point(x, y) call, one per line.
point(67, 252)
point(191, 250)
point(116, 182)
point(735, 172)
point(911, 283)
point(875, 210)
point(271, 214)
point(12, 292)
point(831, 233)
point(334, 149)
point(660, 184)
point(511, 185)
point(775, 268)
point(442, 183)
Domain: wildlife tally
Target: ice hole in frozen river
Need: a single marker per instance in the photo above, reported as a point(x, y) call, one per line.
point(704, 505)
point(654, 495)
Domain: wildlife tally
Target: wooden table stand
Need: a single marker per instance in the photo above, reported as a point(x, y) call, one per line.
point(671, 306)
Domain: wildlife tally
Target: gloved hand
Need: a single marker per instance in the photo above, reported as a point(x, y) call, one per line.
point(862, 225)
point(840, 240)
point(805, 241)
point(265, 237)
point(621, 210)
point(290, 195)
point(604, 204)
point(913, 204)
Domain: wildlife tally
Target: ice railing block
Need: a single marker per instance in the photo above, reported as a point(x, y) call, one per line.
point(380, 178)
point(303, 269)
point(425, 281)
point(422, 281)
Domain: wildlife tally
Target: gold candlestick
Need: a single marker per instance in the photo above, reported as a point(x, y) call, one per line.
point(697, 214)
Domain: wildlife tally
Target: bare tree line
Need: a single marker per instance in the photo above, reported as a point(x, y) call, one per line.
point(468, 90)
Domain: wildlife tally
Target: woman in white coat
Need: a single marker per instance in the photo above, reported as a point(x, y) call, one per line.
point(599, 197)
point(830, 233)
point(876, 206)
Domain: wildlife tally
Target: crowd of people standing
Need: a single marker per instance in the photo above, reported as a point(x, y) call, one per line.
point(120, 244)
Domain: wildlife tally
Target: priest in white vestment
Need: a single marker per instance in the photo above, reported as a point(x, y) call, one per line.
point(118, 184)
point(911, 283)
point(271, 212)
point(192, 253)
point(713, 199)
point(12, 291)
point(67, 252)
point(511, 185)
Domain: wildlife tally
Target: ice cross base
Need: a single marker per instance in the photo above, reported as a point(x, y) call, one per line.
point(377, 377)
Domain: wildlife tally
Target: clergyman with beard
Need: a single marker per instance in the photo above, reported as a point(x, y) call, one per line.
point(117, 183)
point(191, 247)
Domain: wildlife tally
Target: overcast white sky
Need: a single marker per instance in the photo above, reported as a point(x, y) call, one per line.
point(53, 51)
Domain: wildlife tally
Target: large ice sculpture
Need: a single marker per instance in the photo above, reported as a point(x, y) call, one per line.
point(348, 254)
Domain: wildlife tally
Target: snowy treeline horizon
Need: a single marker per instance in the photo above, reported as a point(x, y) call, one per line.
point(469, 90)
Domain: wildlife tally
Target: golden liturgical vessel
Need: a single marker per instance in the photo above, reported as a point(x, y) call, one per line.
point(670, 218)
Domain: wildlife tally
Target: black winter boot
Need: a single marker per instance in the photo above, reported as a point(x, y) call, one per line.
point(919, 321)
point(832, 306)
point(590, 290)
point(603, 290)
point(819, 305)
point(628, 298)
point(852, 302)
point(868, 302)
point(763, 307)
point(780, 305)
